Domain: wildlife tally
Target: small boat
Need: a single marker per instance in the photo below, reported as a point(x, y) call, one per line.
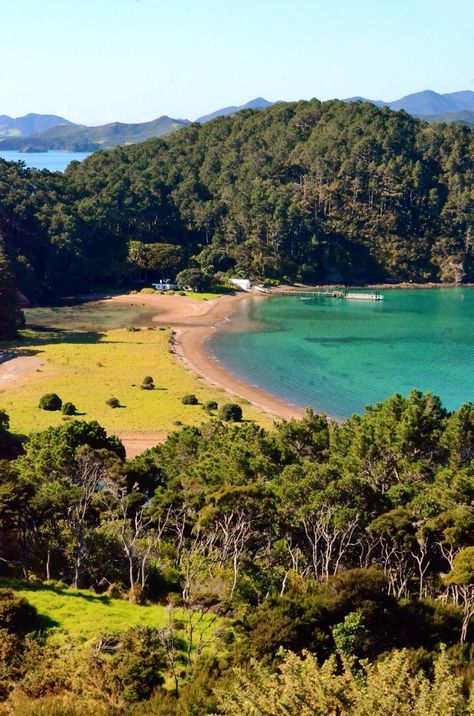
point(364, 296)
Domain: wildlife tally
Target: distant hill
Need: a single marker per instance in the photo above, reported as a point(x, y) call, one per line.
point(29, 124)
point(41, 132)
point(428, 104)
point(464, 116)
point(257, 103)
point(75, 137)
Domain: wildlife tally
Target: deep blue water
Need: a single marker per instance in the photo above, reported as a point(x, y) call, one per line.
point(54, 161)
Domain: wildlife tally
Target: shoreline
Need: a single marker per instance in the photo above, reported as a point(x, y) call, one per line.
point(193, 322)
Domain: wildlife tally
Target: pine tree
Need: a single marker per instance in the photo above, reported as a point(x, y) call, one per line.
point(9, 312)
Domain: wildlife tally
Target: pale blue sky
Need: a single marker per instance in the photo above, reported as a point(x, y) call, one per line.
point(133, 60)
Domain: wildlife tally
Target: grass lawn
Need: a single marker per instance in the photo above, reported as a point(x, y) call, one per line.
point(89, 368)
point(81, 616)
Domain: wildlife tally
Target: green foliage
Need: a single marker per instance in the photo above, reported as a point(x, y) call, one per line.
point(348, 633)
point(50, 401)
point(147, 383)
point(189, 399)
point(353, 192)
point(10, 316)
point(132, 664)
point(302, 688)
point(16, 614)
point(68, 409)
point(209, 406)
point(230, 412)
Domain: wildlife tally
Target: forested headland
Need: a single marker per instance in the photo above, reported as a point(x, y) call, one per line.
point(333, 543)
point(310, 191)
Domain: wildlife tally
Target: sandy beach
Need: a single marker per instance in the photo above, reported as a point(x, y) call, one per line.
point(193, 322)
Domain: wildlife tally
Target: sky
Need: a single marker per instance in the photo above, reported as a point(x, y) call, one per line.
point(98, 61)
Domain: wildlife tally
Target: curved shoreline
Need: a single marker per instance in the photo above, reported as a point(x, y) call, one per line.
point(193, 322)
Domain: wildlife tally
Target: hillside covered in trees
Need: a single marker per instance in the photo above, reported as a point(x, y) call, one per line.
point(318, 192)
point(336, 543)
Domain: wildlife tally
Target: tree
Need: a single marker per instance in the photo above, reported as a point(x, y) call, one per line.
point(462, 575)
point(9, 313)
point(230, 412)
point(194, 278)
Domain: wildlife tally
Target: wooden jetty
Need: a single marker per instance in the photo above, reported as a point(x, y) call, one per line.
point(324, 293)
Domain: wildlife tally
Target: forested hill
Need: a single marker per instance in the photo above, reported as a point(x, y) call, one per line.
point(323, 192)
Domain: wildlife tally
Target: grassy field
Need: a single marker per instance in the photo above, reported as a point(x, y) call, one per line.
point(83, 615)
point(80, 616)
point(89, 368)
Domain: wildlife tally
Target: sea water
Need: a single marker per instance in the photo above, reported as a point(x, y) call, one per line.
point(55, 161)
point(338, 356)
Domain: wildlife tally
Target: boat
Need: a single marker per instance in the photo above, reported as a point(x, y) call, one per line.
point(363, 296)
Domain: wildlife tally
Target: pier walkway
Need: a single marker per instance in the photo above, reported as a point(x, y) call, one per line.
point(324, 293)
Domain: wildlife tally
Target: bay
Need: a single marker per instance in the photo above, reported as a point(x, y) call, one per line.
point(338, 356)
point(55, 161)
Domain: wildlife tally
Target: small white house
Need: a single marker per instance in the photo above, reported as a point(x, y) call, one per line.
point(165, 286)
point(242, 283)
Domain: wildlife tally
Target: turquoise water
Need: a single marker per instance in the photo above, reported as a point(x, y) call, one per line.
point(54, 161)
point(338, 356)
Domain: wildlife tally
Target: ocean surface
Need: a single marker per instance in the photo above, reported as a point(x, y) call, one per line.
point(338, 356)
point(54, 161)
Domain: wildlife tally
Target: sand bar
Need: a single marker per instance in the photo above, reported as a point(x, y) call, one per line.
point(194, 321)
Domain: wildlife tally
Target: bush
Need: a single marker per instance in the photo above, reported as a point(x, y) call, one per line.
point(189, 399)
point(113, 402)
point(231, 411)
point(50, 401)
point(149, 291)
point(69, 409)
point(147, 383)
point(17, 615)
point(210, 406)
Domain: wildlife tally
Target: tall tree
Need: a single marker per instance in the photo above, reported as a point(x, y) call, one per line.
point(9, 314)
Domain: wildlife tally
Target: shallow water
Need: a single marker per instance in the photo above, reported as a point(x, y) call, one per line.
point(338, 356)
point(55, 161)
point(90, 316)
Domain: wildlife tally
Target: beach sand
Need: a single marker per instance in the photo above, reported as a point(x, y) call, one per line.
point(193, 322)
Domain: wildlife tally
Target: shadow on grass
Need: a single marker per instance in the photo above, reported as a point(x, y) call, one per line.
point(45, 622)
point(56, 588)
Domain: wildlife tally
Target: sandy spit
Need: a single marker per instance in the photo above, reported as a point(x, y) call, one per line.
point(193, 322)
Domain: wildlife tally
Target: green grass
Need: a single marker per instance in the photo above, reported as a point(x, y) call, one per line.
point(84, 615)
point(89, 368)
point(81, 616)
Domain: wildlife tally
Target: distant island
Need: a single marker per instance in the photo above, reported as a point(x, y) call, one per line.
point(41, 133)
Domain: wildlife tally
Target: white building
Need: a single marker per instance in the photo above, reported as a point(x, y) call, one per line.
point(242, 283)
point(165, 286)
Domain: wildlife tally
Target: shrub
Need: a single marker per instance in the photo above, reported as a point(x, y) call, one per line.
point(210, 406)
point(231, 411)
point(17, 615)
point(147, 380)
point(113, 402)
point(132, 329)
point(149, 291)
point(69, 409)
point(50, 401)
point(189, 399)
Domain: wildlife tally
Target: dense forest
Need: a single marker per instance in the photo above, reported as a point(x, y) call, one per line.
point(317, 192)
point(339, 558)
